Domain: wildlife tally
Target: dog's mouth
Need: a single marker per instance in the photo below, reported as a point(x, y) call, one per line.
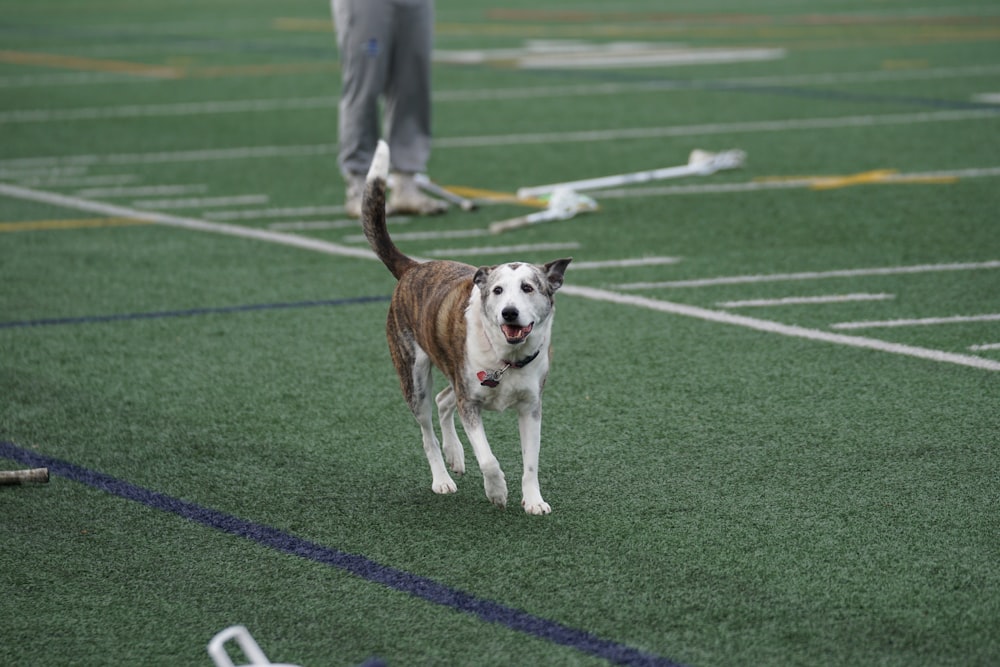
point(515, 333)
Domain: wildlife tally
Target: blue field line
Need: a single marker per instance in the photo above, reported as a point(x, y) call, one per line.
point(190, 312)
point(360, 566)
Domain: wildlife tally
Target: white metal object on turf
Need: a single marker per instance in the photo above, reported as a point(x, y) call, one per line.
point(563, 204)
point(249, 647)
point(700, 163)
point(427, 185)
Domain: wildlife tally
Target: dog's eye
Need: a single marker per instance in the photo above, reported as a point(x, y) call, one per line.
point(498, 290)
point(527, 289)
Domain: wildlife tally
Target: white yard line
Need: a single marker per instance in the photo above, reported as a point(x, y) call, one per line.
point(503, 250)
point(202, 202)
point(583, 292)
point(984, 347)
point(115, 211)
point(638, 133)
point(625, 263)
point(78, 181)
point(442, 96)
point(789, 184)
point(778, 328)
point(142, 191)
point(424, 236)
point(286, 212)
point(166, 110)
point(307, 225)
point(804, 300)
point(744, 127)
point(813, 275)
point(917, 322)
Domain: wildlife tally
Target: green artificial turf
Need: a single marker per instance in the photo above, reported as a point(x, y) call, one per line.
point(721, 495)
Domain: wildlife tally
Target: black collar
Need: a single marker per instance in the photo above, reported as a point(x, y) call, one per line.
point(491, 378)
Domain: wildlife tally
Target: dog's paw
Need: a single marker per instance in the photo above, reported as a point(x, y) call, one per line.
point(496, 488)
point(536, 508)
point(454, 456)
point(444, 486)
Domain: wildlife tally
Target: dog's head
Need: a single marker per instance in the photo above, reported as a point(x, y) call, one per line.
point(517, 297)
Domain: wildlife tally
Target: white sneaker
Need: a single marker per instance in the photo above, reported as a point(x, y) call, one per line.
point(406, 198)
point(353, 193)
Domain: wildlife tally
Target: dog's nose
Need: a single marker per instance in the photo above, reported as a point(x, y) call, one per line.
point(509, 314)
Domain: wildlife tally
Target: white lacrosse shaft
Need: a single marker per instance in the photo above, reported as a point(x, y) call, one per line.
point(14, 477)
point(429, 186)
point(700, 163)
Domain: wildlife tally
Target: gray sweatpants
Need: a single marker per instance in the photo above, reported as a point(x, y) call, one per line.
point(385, 50)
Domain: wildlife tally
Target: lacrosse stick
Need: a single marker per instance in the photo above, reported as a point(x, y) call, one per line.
point(14, 477)
point(251, 650)
point(563, 204)
point(700, 163)
point(429, 186)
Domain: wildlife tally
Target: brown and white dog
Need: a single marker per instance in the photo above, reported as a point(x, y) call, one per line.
point(487, 329)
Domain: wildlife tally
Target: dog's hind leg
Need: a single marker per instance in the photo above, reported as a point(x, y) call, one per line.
point(454, 455)
point(422, 405)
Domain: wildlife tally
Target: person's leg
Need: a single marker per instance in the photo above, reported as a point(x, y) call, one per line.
point(408, 86)
point(364, 41)
point(408, 107)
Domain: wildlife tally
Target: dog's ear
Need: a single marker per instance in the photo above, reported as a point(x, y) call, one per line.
point(554, 272)
point(482, 276)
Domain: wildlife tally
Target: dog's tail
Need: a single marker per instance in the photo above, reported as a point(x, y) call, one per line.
point(373, 215)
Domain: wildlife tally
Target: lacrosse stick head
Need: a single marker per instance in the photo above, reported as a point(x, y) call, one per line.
point(251, 650)
point(565, 203)
point(705, 162)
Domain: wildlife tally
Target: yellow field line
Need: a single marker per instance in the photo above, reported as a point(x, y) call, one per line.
point(89, 64)
point(37, 225)
point(883, 176)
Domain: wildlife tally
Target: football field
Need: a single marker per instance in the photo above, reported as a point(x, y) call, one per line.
point(772, 424)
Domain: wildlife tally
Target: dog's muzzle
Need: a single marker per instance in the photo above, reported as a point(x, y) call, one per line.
point(516, 333)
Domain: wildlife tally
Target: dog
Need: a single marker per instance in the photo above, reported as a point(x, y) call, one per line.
point(487, 329)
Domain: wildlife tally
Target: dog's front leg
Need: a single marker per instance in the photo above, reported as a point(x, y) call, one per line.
point(529, 422)
point(493, 478)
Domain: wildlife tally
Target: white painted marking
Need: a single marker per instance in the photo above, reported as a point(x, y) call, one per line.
point(805, 300)
point(201, 202)
point(985, 347)
point(746, 127)
point(424, 236)
point(648, 58)
point(503, 250)
point(166, 157)
point(625, 263)
point(79, 181)
point(307, 225)
point(41, 172)
point(287, 212)
point(790, 184)
point(814, 275)
point(917, 322)
point(316, 245)
point(115, 211)
point(142, 191)
point(639, 133)
point(778, 328)
point(987, 98)
point(161, 110)
point(873, 76)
